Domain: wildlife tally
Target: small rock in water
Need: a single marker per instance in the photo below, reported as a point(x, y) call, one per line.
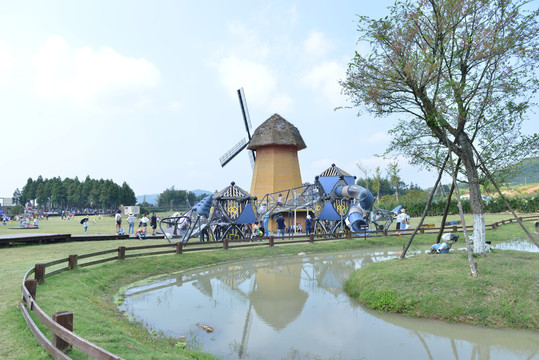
point(206, 328)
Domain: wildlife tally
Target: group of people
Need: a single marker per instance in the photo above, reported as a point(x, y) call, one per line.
point(403, 221)
point(141, 231)
point(281, 226)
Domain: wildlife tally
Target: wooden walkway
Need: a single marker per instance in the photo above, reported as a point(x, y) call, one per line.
point(35, 238)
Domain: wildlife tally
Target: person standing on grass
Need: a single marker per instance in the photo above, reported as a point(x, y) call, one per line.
point(281, 225)
point(153, 223)
point(85, 224)
point(118, 218)
point(308, 223)
point(144, 221)
point(131, 221)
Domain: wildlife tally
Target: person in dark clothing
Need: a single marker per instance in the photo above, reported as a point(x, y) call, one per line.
point(153, 223)
point(281, 226)
point(308, 223)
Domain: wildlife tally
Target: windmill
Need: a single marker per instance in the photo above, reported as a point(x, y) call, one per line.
point(243, 143)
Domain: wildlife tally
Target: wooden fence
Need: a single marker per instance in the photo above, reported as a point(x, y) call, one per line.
point(61, 323)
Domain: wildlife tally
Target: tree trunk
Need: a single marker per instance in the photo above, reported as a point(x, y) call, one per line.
point(476, 201)
point(473, 267)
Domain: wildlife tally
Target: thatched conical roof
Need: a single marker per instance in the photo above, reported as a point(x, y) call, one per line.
point(276, 131)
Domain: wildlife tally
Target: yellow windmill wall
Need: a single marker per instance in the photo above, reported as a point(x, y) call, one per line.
point(276, 169)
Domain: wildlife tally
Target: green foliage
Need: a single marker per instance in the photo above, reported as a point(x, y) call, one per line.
point(416, 207)
point(173, 198)
point(527, 172)
point(16, 210)
point(69, 193)
point(386, 300)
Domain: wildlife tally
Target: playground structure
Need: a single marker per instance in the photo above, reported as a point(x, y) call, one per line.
point(335, 201)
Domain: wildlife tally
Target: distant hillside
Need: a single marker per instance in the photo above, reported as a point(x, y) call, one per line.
point(199, 192)
point(150, 198)
point(529, 173)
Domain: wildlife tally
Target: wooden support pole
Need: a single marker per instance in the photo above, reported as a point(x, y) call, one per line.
point(40, 273)
point(225, 244)
point(311, 238)
point(271, 240)
point(64, 318)
point(454, 228)
point(349, 234)
point(384, 232)
point(72, 263)
point(121, 252)
point(179, 247)
point(421, 230)
point(31, 286)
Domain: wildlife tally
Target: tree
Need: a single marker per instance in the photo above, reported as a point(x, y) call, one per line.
point(17, 197)
point(365, 172)
point(127, 195)
point(376, 183)
point(462, 74)
point(393, 172)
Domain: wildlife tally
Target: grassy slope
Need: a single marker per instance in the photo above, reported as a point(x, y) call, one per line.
point(95, 288)
point(438, 287)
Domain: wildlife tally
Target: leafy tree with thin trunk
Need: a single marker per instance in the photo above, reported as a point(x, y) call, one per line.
point(393, 173)
point(365, 172)
point(462, 75)
point(376, 183)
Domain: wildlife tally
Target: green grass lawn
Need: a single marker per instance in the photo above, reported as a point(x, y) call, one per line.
point(55, 225)
point(89, 292)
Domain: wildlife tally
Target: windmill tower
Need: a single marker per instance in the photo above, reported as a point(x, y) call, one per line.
point(277, 143)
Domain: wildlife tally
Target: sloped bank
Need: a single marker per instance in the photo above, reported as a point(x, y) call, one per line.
point(441, 287)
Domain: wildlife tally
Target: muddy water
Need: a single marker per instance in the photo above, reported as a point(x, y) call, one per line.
point(295, 308)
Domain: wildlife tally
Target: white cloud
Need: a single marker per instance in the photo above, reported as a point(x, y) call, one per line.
point(377, 138)
point(99, 79)
point(256, 78)
point(323, 80)
point(7, 62)
point(175, 106)
point(282, 104)
point(317, 44)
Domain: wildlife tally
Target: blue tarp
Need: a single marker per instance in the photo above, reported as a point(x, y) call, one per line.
point(328, 182)
point(349, 180)
point(329, 213)
point(247, 216)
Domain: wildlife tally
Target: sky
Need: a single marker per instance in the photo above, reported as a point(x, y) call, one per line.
point(144, 92)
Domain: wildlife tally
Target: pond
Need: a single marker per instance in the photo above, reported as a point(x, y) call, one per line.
point(295, 308)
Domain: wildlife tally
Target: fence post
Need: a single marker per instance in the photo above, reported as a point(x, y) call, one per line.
point(349, 234)
point(64, 318)
point(271, 240)
point(225, 243)
point(179, 247)
point(31, 286)
point(40, 273)
point(72, 263)
point(385, 232)
point(421, 230)
point(454, 228)
point(311, 237)
point(121, 252)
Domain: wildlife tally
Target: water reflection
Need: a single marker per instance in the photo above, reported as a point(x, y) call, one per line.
point(519, 244)
point(295, 308)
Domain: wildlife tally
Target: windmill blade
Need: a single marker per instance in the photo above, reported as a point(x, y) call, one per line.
point(252, 159)
point(247, 121)
point(235, 150)
point(245, 112)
